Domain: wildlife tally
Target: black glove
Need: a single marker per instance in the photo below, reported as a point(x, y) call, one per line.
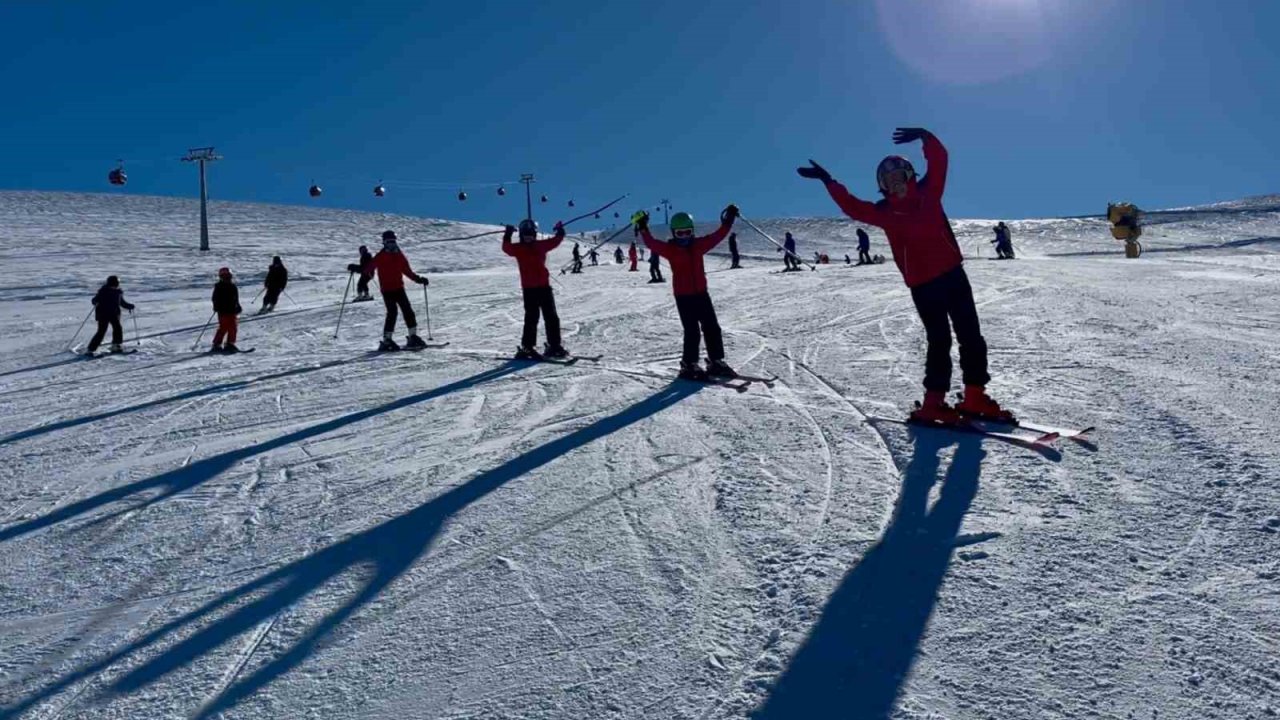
point(559, 228)
point(423, 281)
point(814, 172)
point(353, 268)
point(730, 214)
point(902, 136)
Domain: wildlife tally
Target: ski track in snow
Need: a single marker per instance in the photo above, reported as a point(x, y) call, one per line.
point(317, 530)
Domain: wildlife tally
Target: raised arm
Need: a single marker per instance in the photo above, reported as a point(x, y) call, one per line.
point(654, 244)
point(854, 207)
point(934, 183)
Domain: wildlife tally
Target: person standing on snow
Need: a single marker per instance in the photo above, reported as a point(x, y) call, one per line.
point(226, 304)
point(617, 256)
point(1003, 241)
point(928, 256)
point(106, 310)
point(535, 285)
point(633, 256)
point(365, 269)
point(655, 268)
point(864, 248)
point(577, 259)
point(684, 254)
point(277, 279)
point(392, 268)
point(790, 260)
point(594, 257)
point(733, 252)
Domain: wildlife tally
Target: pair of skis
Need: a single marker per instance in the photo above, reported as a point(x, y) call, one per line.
point(1019, 432)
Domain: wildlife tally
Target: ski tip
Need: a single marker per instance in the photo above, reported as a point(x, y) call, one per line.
point(1047, 438)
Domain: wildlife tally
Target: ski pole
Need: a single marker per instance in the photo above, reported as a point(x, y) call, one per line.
point(137, 339)
point(196, 344)
point(597, 245)
point(82, 322)
point(344, 304)
point(426, 303)
point(464, 237)
point(765, 235)
point(286, 294)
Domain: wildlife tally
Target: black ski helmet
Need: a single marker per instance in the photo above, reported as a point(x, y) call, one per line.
point(389, 235)
point(113, 281)
point(528, 229)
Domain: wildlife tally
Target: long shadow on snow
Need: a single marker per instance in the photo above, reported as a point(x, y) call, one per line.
point(189, 395)
point(45, 366)
point(185, 478)
point(386, 551)
point(858, 655)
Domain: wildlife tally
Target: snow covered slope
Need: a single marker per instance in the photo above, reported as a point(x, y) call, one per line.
point(317, 531)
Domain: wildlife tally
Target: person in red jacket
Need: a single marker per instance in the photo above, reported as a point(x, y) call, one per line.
point(633, 256)
point(689, 283)
point(535, 283)
point(928, 256)
point(392, 268)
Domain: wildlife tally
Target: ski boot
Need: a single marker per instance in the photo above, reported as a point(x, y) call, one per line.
point(935, 410)
point(413, 342)
point(230, 349)
point(527, 353)
point(115, 348)
point(217, 348)
point(975, 403)
point(387, 344)
point(720, 368)
point(556, 353)
point(691, 371)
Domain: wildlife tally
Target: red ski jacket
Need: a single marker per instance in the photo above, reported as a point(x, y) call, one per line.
point(392, 269)
point(920, 236)
point(688, 276)
point(531, 258)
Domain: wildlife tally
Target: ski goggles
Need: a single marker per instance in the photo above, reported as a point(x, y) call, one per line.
point(683, 234)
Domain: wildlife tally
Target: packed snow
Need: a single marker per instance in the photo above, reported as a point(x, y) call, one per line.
point(316, 530)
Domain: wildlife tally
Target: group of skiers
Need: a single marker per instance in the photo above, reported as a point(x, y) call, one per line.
point(920, 236)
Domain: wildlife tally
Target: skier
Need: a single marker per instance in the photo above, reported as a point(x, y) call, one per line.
point(617, 256)
point(577, 259)
point(655, 268)
point(928, 256)
point(864, 247)
point(684, 253)
point(366, 272)
point(226, 303)
point(641, 253)
point(106, 310)
point(847, 260)
point(788, 249)
point(535, 283)
point(733, 252)
point(633, 256)
point(1003, 241)
point(392, 268)
point(594, 257)
point(277, 279)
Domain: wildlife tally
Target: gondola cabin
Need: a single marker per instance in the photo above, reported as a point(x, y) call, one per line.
point(117, 176)
point(315, 191)
point(379, 190)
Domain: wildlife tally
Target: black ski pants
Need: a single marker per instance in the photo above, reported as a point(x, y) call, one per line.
point(540, 301)
point(398, 299)
point(736, 261)
point(698, 316)
point(864, 256)
point(945, 303)
point(117, 333)
point(271, 296)
point(362, 285)
point(655, 272)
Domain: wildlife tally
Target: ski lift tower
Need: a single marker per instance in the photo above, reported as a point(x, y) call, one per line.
point(666, 208)
point(202, 156)
point(527, 180)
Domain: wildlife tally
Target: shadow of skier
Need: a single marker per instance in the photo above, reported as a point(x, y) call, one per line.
point(857, 657)
point(383, 552)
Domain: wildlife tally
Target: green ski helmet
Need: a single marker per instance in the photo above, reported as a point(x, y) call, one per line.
point(682, 228)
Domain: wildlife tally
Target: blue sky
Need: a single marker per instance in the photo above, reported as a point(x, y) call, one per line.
point(1049, 107)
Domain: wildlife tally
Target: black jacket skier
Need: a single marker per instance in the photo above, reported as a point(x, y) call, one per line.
point(733, 251)
point(107, 303)
point(577, 259)
point(864, 247)
point(277, 279)
point(365, 269)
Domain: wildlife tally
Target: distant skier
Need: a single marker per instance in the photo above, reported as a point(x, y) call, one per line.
point(847, 259)
point(790, 260)
point(594, 257)
point(277, 279)
point(393, 267)
point(535, 286)
point(226, 304)
point(106, 310)
point(1003, 241)
point(365, 269)
point(633, 256)
point(733, 252)
point(684, 254)
point(864, 247)
point(655, 268)
point(617, 256)
point(928, 256)
point(577, 259)
point(641, 253)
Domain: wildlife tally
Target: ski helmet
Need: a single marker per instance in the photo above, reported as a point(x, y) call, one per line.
point(892, 164)
point(224, 272)
point(682, 228)
point(528, 230)
point(113, 281)
point(389, 235)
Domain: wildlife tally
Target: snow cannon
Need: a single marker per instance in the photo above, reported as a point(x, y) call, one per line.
point(1126, 225)
point(315, 191)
